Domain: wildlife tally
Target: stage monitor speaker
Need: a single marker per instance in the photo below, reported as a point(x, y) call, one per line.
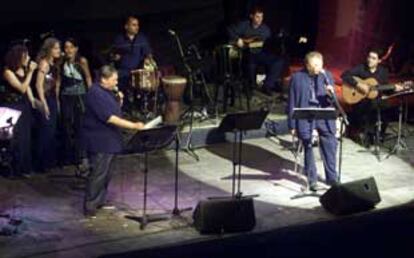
point(224, 215)
point(355, 196)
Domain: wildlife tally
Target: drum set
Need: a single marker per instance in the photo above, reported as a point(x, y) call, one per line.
point(146, 86)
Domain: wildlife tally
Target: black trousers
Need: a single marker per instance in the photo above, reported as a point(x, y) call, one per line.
point(364, 116)
point(98, 180)
point(73, 109)
point(45, 146)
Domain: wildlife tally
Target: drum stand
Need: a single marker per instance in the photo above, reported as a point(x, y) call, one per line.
point(148, 114)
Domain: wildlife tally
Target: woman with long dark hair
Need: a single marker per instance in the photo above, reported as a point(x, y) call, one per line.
point(76, 79)
point(17, 75)
point(48, 87)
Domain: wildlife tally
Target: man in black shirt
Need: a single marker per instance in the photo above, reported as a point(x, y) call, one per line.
point(252, 35)
point(363, 114)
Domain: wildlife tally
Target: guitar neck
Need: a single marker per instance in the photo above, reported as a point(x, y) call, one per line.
point(385, 87)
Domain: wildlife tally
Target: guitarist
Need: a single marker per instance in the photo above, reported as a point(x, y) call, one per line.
point(254, 32)
point(363, 114)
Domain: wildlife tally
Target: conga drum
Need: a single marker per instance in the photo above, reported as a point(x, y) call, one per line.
point(174, 87)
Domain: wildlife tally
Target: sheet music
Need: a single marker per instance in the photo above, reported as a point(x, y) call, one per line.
point(6, 114)
point(8, 118)
point(153, 123)
point(311, 113)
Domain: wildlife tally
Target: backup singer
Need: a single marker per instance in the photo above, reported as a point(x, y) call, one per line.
point(18, 95)
point(308, 88)
point(76, 79)
point(364, 113)
point(48, 87)
point(101, 136)
point(254, 30)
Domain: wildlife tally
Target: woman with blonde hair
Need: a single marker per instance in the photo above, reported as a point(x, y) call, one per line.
point(48, 87)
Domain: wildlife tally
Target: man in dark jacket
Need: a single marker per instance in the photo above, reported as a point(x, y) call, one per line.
point(101, 136)
point(312, 87)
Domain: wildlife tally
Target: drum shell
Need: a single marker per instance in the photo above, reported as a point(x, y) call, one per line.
point(174, 91)
point(145, 80)
point(228, 61)
point(173, 87)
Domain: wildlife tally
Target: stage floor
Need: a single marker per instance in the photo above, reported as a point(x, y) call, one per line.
point(51, 205)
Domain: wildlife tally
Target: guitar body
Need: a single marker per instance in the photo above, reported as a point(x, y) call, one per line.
point(253, 42)
point(351, 95)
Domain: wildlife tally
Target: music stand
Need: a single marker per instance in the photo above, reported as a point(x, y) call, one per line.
point(314, 114)
point(237, 123)
point(147, 141)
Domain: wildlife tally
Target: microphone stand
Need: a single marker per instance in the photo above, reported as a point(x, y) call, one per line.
point(344, 120)
point(188, 145)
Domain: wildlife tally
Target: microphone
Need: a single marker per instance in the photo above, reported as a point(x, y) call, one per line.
point(194, 49)
point(25, 41)
point(327, 82)
point(325, 76)
point(172, 32)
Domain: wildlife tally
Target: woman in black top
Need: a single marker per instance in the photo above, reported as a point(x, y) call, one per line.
point(17, 75)
point(76, 79)
point(48, 87)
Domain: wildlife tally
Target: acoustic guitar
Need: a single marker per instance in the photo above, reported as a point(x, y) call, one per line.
point(252, 42)
point(352, 95)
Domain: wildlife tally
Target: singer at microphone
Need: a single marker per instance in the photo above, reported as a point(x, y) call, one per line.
point(329, 85)
point(309, 88)
point(101, 137)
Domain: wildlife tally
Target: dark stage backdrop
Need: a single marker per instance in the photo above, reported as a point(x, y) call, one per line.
point(347, 28)
point(95, 22)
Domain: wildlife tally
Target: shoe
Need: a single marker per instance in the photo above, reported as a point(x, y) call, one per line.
point(266, 91)
point(91, 214)
point(25, 175)
point(282, 97)
point(331, 183)
point(106, 206)
point(313, 187)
